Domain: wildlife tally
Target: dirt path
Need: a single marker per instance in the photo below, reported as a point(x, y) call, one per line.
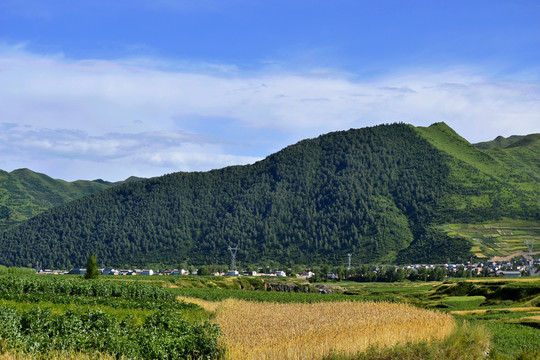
point(482, 311)
point(511, 256)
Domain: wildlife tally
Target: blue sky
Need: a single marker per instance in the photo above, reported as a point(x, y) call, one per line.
point(108, 89)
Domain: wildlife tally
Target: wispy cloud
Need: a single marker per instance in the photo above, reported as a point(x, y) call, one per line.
point(161, 151)
point(158, 117)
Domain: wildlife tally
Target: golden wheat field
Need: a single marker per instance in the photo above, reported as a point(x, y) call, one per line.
point(309, 331)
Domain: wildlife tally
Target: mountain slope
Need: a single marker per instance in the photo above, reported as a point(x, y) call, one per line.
point(518, 152)
point(374, 192)
point(24, 194)
point(480, 185)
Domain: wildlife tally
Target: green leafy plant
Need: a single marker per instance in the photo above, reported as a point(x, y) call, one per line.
point(163, 335)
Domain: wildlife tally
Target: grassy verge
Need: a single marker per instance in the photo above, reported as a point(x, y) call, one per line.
point(466, 342)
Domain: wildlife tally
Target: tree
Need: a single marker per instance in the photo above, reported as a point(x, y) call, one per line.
point(203, 270)
point(92, 271)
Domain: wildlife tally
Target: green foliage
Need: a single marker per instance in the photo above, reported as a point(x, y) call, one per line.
point(494, 292)
point(277, 296)
point(92, 271)
point(513, 341)
point(163, 335)
point(463, 302)
point(41, 285)
point(434, 246)
point(377, 193)
point(35, 321)
point(76, 292)
point(510, 142)
point(4, 270)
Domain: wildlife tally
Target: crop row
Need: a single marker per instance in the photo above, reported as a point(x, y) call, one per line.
point(275, 296)
point(116, 303)
point(11, 285)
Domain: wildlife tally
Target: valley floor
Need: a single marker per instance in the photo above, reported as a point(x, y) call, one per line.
point(141, 319)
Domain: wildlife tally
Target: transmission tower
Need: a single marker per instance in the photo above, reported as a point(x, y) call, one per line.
point(349, 267)
point(233, 251)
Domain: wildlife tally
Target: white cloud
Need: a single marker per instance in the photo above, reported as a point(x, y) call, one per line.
point(139, 111)
point(149, 154)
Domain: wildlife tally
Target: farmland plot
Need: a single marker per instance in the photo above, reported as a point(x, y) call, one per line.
point(307, 331)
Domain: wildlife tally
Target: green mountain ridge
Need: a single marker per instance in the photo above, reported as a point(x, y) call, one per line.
point(516, 152)
point(501, 142)
point(378, 193)
point(24, 194)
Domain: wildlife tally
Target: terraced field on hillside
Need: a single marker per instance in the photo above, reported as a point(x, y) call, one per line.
point(498, 239)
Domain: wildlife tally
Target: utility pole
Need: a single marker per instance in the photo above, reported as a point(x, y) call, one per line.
point(530, 248)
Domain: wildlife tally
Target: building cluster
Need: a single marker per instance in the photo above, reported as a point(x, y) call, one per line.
point(111, 271)
point(490, 268)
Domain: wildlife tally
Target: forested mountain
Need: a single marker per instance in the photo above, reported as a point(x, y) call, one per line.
point(374, 192)
point(24, 194)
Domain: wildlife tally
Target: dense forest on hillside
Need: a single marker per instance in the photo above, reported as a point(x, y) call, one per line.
point(373, 192)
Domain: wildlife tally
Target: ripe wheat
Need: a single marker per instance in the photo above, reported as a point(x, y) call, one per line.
point(309, 331)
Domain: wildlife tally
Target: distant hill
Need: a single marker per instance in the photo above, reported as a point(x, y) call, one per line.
point(379, 193)
point(25, 193)
point(532, 140)
point(521, 152)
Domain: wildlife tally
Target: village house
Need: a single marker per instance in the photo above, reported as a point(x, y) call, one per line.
point(110, 271)
point(77, 272)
